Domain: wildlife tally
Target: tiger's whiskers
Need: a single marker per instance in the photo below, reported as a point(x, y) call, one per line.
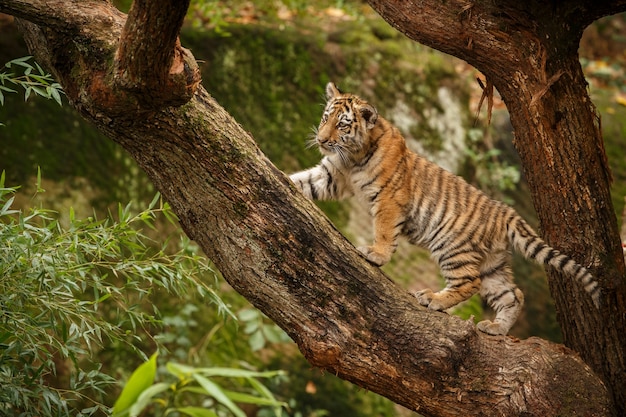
point(311, 139)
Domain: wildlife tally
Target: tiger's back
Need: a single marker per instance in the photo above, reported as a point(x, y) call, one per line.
point(468, 234)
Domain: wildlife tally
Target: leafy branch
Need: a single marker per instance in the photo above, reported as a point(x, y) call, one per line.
point(33, 80)
point(67, 291)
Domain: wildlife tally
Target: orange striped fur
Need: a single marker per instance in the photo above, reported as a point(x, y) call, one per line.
point(468, 234)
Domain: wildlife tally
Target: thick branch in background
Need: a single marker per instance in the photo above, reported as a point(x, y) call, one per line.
point(150, 61)
point(274, 247)
point(528, 50)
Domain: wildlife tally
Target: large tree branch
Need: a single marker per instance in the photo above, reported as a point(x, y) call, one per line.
point(277, 249)
point(478, 31)
point(73, 18)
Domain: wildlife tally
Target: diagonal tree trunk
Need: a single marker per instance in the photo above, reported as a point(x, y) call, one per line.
point(275, 247)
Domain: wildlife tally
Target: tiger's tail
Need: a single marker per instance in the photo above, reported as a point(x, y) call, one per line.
point(526, 241)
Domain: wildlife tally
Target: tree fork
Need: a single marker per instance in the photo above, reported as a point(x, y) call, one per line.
point(280, 252)
point(559, 137)
point(528, 51)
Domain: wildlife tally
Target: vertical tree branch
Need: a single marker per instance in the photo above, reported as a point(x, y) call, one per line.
point(529, 51)
point(150, 57)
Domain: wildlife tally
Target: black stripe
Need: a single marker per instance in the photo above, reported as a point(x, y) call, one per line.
point(331, 185)
point(461, 249)
point(418, 190)
point(529, 241)
point(540, 246)
point(494, 269)
point(371, 151)
point(502, 294)
point(552, 253)
point(563, 262)
point(396, 176)
point(439, 229)
point(312, 187)
point(464, 280)
point(452, 266)
point(368, 156)
point(474, 221)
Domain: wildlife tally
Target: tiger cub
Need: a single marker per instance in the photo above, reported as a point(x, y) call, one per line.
point(467, 233)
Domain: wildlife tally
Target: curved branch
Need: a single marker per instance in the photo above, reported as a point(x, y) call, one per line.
point(478, 31)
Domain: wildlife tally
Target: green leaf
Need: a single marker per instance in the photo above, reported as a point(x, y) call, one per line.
point(241, 397)
point(197, 412)
point(39, 188)
point(267, 394)
point(218, 394)
point(146, 396)
point(19, 61)
point(139, 381)
point(256, 341)
point(40, 91)
point(179, 370)
point(262, 389)
point(272, 333)
point(41, 71)
point(183, 371)
point(10, 90)
point(54, 92)
point(154, 201)
point(248, 314)
point(251, 327)
point(5, 209)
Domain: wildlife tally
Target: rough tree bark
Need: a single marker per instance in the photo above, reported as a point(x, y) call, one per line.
point(529, 51)
point(274, 246)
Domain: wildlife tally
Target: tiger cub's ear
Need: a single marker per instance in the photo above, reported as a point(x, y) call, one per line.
point(369, 114)
point(332, 91)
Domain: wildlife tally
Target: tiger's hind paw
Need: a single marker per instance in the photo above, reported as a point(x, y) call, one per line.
point(492, 328)
point(377, 258)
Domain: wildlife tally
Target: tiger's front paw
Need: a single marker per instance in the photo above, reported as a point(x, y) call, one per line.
point(297, 181)
point(424, 297)
point(377, 258)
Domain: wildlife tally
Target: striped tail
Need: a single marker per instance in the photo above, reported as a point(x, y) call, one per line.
point(525, 240)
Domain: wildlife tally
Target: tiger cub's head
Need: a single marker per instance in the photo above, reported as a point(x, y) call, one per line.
point(345, 125)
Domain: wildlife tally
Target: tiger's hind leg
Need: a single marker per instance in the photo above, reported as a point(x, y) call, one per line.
point(502, 295)
point(462, 283)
